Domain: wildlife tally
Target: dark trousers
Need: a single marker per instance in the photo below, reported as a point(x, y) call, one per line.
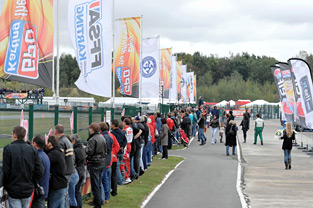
point(114, 179)
point(95, 181)
point(78, 195)
point(38, 203)
point(244, 134)
point(164, 153)
point(137, 158)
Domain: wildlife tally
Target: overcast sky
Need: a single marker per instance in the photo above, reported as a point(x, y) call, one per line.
point(279, 28)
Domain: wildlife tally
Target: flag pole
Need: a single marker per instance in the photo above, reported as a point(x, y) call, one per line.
point(58, 54)
point(140, 78)
point(113, 57)
point(159, 69)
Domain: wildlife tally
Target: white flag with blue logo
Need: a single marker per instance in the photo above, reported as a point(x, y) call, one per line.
point(90, 26)
point(190, 77)
point(183, 83)
point(173, 85)
point(150, 67)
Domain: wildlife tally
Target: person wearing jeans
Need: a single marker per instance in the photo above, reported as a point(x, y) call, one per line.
point(288, 137)
point(71, 189)
point(201, 130)
point(214, 123)
point(231, 133)
point(227, 150)
point(96, 151)
point(21, 165)
point(58, 180)
point(118, 170)
point(164, 138)
point(120, 136)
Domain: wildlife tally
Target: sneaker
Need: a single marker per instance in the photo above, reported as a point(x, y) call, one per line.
point(261, 143)
point(106, 201)
point(254, 143)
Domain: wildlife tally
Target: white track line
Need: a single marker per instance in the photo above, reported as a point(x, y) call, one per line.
point(149, 197)
point(239, 177)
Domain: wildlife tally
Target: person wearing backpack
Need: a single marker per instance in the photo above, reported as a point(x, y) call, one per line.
point(258, 129)
point(231, 133)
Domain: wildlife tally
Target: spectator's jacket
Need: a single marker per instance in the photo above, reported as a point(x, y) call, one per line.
point(164, 135)
point(170, 123)
point(191, 118)
point(158, 124)
point(195, 118)
point(201, 123)
point(146, 133)
point(198, 114)
point(57, 169)
point(109, 142)
point(245, 124)
point(80, 159)
point(21, 166)
point(185, 124)
point(214, 123)
point(44, 182)
point(66, 146)
point(120, 136)
point(151, 132)
point(215, 112)
point(115, 149)
point(200, 102)
point(96, 150)
point(259, 124)
point(143, 134)
point(153, 122)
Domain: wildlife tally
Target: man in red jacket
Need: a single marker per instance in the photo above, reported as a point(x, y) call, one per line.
point(115, 150)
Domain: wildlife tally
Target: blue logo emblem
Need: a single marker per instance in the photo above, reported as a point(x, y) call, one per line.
point(182, 82)
point(149, 67)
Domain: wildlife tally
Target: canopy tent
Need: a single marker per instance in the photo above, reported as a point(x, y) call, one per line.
point(256, 102)
point(223, 103)
point(232, 103)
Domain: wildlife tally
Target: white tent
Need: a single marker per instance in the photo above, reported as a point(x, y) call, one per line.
point(256, 102)
point(232, 103)
point(222, 103)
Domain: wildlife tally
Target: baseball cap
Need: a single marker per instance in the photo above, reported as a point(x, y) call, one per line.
point(137, 118)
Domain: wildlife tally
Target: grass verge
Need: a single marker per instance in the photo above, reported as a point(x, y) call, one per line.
point(132, 195)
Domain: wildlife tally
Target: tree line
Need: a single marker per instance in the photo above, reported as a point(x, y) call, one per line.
point(240, 76)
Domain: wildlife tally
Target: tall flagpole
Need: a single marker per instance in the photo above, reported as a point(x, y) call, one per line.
point(140, 74)
point(113, 57)
point(58, 54)
point(159, 65)
point(171, 77)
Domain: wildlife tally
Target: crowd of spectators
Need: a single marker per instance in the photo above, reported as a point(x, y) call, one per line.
point(33, 93)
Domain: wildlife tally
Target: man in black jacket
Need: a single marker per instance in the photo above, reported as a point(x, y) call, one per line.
point(58, 180)
point(120, 136)
point(80, 160)
point(96, 151)
point(185, 124)
point(140, 142)
point(21, 165)
point(67, 147)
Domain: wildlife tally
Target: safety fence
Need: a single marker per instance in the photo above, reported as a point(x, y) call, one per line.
point(42, 118)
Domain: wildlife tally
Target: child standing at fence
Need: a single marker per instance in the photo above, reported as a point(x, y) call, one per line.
point(221, 133)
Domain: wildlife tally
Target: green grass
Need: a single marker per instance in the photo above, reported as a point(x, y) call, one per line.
point(177, 147)
point(132, 195)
